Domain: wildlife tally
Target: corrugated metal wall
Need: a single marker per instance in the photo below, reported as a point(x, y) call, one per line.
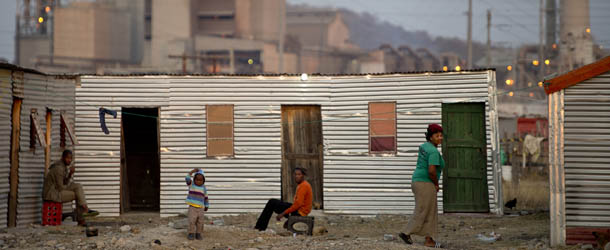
point(6, 102)
point(31, 162)
point(62, 100)
point(353, 180)
point(98, 155)
point(40, 92)
point(356, 183)
point(587, 148)
point(246, 182)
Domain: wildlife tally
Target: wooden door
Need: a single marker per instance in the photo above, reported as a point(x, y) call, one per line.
point(465, 154)
point(301, 147)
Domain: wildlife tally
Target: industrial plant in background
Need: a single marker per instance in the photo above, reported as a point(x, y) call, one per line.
point(269, 36)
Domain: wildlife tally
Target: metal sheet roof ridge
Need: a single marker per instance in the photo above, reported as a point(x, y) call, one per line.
point(576, 76)
point(10, 66)
point(289, 74)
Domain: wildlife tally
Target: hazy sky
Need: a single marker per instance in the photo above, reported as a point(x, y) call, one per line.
point(515, 21)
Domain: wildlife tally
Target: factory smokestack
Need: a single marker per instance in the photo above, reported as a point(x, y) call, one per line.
point(576, 47)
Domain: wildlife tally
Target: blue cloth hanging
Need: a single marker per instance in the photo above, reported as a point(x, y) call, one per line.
point(103, 113)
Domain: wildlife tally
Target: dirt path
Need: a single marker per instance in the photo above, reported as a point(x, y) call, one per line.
point(344, 232)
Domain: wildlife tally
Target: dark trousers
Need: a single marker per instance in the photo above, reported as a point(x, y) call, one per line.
point(273, 205)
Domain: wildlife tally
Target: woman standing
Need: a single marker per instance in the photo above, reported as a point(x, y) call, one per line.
point(424, 184)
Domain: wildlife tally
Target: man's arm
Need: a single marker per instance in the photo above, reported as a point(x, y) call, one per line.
point(299, 201)
point(69, 176)
point(58, 173)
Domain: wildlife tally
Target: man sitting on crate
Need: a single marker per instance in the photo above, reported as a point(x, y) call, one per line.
point(301, 207)
point(59, 187)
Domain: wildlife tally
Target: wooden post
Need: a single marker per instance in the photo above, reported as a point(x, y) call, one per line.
point(47, 149)
point(557, 182)
point(14, 174)
point(125, 205)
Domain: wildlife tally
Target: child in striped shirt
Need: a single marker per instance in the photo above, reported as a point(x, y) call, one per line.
point(197, 199)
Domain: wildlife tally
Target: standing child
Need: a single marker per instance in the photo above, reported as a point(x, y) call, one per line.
point(197, 199)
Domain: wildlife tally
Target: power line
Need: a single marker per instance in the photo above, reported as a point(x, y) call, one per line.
point(508, 17)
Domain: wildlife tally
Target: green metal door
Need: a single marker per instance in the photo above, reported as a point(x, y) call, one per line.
point(465, 154)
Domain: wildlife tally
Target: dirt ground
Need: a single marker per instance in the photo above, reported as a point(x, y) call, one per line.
point(456, 231)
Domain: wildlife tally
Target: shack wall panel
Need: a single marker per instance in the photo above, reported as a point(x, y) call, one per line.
point(6, 102)
point(98, 154)
point(31, 162)
point(353, 177)
point(245, 182)
point(587, 145)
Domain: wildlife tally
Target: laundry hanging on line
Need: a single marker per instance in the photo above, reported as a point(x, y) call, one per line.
point(103, 112)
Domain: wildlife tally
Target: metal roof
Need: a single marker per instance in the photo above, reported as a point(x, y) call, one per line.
point(11, 66)
point(283, 74)
point(578, 75)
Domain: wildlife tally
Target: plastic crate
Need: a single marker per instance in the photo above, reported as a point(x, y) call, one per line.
point(51, 213)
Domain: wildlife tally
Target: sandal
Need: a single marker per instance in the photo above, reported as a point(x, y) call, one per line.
point(406, 238)
point(436, 245)
point(91, 213)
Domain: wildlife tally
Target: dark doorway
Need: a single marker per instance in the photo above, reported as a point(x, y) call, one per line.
point(465, 153)
point(302, 147)
point(140, 161)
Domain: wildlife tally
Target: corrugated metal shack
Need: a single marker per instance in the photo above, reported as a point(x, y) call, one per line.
point(32, 136)
point(249, 132)
point(579, 146)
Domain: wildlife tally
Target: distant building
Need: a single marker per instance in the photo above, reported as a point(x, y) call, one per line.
point(240, 36)
point(318, 28)
point(576, 46)
point(323, 38)
point(80, 36)
point(88, 33)
point(410, 61)
point(391, 58)
point(209, 36)
point(429, 61)
point(450, 60)
point(405, 59)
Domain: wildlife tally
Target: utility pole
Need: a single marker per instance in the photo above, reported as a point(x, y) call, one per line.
point(51, 26)
point(541, 45)
point(488, 38)
point(469, 34)
point(282, 29)
point(17, 35)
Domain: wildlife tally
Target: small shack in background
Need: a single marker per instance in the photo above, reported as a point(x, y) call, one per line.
point(579, 147)
point(36, 119)
point(358, 135)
